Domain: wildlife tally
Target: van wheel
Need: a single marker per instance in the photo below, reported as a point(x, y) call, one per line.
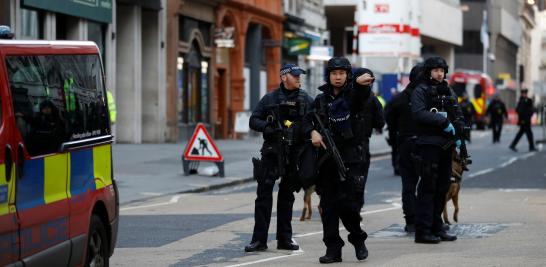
point(97, 244)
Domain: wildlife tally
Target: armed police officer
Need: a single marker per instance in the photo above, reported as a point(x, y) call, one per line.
point(278, 116)
point(338, 126)
point(439, 124)
point(400, 122)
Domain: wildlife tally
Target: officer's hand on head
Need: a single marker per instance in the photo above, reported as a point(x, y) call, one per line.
point(458, 144)
point(365, 79)
point(450, 129)
point(316, 139)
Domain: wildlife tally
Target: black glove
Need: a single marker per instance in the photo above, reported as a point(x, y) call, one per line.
point(270, 130)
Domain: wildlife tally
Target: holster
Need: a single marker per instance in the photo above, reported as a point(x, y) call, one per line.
point(259, 170)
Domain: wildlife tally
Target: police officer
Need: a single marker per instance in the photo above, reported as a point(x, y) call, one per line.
point(437, 115)
point(278, 116)
point(340, 107)
point(525, 110)
point(497, 113)
point(468, 113)
point(402, 128)
point(374, 118)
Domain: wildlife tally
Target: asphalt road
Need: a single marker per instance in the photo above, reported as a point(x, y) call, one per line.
point(502, 217)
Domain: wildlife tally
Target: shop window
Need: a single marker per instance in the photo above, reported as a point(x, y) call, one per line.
point(193, 74)
point(57, 99)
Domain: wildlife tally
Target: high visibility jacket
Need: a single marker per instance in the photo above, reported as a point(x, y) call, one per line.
point(111, 106)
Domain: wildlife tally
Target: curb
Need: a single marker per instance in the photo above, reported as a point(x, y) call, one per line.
point(222, 185)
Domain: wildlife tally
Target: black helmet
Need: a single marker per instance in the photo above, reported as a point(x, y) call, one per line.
point(436, 62)
point(339, 63)
point(416, 72)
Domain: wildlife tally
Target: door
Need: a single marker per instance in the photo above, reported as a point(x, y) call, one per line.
point(9, 250)
point(221, 100)
point(41, 171)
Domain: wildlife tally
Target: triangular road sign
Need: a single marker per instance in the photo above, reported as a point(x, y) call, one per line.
point(201, 146)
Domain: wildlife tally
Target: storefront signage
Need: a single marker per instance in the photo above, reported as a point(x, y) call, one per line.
point(97, 10)
point(298, 46)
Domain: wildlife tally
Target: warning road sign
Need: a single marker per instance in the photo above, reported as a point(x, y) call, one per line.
point(201, 146)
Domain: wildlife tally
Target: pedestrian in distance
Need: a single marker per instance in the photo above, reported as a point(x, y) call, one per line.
point(402, 130)
point(439, 124)
point(468, 113)
point(497, 114)
point(278, 116)
point(336, 125)
point(525, 110)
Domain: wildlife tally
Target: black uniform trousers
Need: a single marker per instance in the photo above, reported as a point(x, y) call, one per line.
point(264, 205)
point(339, 200)
point(496, 127)
point(525, 128)
point(410, 176)
point(432, 188)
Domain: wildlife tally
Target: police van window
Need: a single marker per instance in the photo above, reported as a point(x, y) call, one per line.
point(37, 107)
point(57, 99)
point(85, 97)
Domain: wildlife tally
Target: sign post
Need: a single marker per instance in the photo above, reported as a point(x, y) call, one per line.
point(201, 147)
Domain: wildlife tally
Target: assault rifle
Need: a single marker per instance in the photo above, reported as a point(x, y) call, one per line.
point(331, 148)
point(284, 136)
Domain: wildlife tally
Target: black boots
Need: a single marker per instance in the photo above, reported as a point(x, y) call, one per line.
point(330, 257)
point(427, 239)
point(410, 228)
point(287, 245)
point(256, 246)
point(361, 252)
point(446, 237)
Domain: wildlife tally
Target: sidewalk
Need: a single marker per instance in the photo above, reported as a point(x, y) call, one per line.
point(149, 170)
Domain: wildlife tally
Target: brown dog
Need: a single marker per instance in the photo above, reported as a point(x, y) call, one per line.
point(307, 207)
point(453, 193)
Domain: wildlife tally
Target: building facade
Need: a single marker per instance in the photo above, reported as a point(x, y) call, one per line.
point(304, 39)
point(130, 36)
point(255, 60)
point(394, 35)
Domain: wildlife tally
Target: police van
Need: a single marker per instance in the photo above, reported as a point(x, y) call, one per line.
point(59, 203)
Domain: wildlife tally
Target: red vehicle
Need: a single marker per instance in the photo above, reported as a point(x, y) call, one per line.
point(59, 202)
point(479, 88)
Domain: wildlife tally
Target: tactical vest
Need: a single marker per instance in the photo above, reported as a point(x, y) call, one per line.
point(440, 101)
point(350, 127)
point(292, 110)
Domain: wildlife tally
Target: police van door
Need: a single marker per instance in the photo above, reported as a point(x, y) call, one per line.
point(41, 172)
point(9, 250)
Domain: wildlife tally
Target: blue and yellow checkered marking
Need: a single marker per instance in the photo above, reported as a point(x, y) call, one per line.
point(81, 172)
point(45, 179)
point(30, 187)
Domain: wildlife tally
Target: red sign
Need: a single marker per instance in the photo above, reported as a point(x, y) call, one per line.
point(201, 146)
point(381, 8)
